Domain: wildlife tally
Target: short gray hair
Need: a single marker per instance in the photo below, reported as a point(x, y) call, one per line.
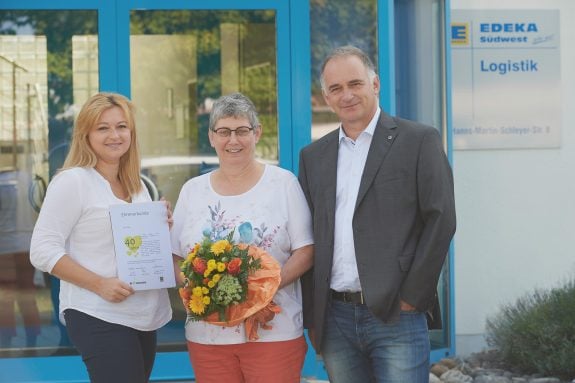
point(234, 105)
point(345, 51)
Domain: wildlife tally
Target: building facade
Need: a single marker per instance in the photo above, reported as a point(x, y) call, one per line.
point(173, 58)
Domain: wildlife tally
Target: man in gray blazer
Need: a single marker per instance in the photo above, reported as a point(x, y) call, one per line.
point(380, 190)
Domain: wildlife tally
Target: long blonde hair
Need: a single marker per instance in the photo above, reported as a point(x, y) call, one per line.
point(81, 153)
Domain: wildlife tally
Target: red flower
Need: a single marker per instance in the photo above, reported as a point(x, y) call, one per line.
point(199, 265)
point(185, 293)
point(234, 266)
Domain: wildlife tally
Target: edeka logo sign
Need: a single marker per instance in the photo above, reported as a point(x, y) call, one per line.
point(508, 27)
point(506, 32)
point(460, 33)
point(506, 74)
point(493, 32)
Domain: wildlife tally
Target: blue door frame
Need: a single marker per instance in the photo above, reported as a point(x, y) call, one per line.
point(294, 91)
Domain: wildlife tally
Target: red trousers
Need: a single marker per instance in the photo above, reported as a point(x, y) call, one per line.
point(252, 362)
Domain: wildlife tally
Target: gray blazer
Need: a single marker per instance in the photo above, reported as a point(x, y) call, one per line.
point(403, 223)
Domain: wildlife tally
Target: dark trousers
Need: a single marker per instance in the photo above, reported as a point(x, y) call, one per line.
point(112, 353)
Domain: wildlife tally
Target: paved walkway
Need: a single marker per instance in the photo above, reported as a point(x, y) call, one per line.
point(303, 380)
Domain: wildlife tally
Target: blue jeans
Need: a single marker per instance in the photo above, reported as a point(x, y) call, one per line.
point(358, 347)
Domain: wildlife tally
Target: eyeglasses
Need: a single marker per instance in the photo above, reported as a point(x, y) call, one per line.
point(241, 131)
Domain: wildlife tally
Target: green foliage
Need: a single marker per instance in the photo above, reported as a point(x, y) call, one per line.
point(205, 25)
point(341, 22)
point(537, 333)
point(58, 27)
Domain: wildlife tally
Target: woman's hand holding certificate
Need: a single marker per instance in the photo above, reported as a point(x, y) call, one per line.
point(142, 245)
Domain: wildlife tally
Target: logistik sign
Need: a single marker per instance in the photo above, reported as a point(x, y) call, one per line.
point(496, 34)
point(506, 78)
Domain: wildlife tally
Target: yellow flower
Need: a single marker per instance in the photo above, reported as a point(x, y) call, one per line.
point(216, 278)
point(205, 290)
point(221, 266)
point(197, 304)
point(197, 291)
point(207, 273)
point(220, 246)
point(211, 284)
point(212, 264)
point(193, 252)
point(206, 300)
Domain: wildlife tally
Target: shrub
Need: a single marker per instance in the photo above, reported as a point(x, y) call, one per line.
point(537, 333)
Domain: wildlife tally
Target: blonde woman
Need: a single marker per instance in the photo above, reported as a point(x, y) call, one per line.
point(112, 326)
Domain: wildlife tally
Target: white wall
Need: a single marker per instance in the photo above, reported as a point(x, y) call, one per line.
point(515, 208)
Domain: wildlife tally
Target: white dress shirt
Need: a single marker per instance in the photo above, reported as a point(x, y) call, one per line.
point(350, 163)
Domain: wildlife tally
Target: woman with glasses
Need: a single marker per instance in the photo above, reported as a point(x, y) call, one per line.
point(264, 206)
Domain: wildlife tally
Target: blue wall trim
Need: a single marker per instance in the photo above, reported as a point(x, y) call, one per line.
point(451, 256)
point(301, 79)
point(386, 54)
point(55, 5)
point(284, 75)
point(107, 46)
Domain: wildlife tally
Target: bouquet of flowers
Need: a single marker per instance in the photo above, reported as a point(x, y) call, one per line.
point(227, 284)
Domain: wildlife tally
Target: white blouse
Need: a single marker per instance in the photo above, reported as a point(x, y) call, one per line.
point(272, 215)
point(74, 220)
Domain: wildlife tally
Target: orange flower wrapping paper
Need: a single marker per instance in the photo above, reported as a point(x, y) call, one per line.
point(262, 286)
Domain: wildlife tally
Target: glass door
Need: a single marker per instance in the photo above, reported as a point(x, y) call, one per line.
point(421, 94)
point(173, 58)
point(48, 67)
point(180, 61)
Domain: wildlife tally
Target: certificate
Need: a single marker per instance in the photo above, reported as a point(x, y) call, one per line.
point(142, 245)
